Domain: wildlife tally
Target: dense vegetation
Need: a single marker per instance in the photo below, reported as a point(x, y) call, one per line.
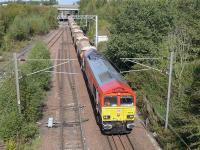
point(49, 2)
point(100, 7)
point(18, 128)
point(20, 22)
point(141, 28)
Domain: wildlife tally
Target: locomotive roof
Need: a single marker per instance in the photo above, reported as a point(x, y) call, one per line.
point(103, 71)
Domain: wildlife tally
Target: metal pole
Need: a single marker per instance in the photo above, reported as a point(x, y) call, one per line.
point(96, 41)
point(169, 88)
point(17, 81)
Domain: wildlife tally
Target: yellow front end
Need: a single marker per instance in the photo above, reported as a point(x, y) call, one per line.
point(123, 113)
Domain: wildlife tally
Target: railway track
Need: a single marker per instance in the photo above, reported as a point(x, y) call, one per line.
point(25, 50)
point(61, 98)
point(71, 133)
point(55, 38)
point(120, 142)
point(71, 78)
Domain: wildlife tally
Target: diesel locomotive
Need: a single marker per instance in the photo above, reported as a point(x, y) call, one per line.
point(114, 100)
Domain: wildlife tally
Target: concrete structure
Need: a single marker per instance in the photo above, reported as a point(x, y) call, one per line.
point(102, 38)
point(65, 10)
point(9, 1)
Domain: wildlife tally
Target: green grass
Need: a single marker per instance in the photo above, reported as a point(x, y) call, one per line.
point(34, 145)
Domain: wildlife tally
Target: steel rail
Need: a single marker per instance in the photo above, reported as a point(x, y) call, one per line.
point(24, 51)
point(116, 142)
point(59, 31)
point(130, 141)
point(72, 83)
point(109, 142)
point(121, 142)
point(29, 47)
point(61, 87)
point(56, 39)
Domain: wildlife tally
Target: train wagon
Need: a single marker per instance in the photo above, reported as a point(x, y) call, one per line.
point(71, 21)
point(77, 32)
point(74, 28)
point(82, 44)
point(78, 35)
point(114, 100)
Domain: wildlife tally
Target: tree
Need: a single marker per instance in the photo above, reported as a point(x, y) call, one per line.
point(20, 28)
point(139, 30)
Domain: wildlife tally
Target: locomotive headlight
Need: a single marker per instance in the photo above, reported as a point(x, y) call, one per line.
point(130, 116)
point(106, 117)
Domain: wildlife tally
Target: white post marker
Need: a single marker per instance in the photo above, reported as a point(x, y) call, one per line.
point(96, 41)
point(17, 81)
point(50, 122)
point(169, 88)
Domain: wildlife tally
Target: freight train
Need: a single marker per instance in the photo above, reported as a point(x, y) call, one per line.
point(114, 101)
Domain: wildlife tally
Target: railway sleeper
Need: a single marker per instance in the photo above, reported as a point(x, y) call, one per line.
point(77, 146)
point(75, 122)
point(75, 108)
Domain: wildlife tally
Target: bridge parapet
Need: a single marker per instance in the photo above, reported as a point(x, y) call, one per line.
point(65, 10)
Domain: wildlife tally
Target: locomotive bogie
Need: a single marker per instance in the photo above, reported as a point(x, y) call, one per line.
point(117, 127)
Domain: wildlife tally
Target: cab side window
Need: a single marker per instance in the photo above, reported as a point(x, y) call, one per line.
point(126, 101)
point(110, 101)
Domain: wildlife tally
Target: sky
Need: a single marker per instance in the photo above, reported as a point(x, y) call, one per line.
point(67, 1)
point(60, 1)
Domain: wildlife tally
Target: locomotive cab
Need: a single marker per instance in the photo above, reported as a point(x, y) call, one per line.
point(118, 112)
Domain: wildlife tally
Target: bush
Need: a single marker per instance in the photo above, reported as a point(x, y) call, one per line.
point(14, 125)
point(20, 28)
point(1, 32)
point(31, 99)
point(139, 30)
point(29, 130)
point(40, 51)
point(11, 145)
point(33, 86)
point(19, 22)
point(38, 25)
point(51, 17)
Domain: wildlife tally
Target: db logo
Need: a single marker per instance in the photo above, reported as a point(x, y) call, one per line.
point(118, 110)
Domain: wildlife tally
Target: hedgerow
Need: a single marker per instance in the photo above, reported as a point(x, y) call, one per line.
point(15, 125)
